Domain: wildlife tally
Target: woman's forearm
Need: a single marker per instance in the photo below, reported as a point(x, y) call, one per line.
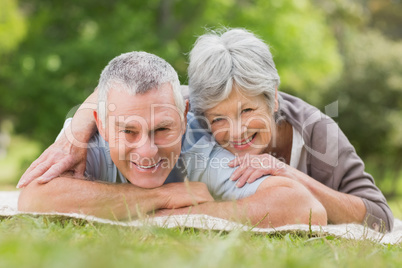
point(341, 207)
point(83, 126)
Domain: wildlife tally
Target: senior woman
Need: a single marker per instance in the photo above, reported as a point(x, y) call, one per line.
point(233, 87)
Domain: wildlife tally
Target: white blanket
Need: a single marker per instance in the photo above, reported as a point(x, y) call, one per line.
point(8, 208)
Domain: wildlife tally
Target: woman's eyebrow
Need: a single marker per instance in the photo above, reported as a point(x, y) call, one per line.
point(213, 114)
point(248, 105)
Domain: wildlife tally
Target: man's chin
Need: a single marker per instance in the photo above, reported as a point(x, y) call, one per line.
point(147, 183)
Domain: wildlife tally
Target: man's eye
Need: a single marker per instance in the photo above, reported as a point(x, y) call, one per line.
point(162, 129)
point(126, 131)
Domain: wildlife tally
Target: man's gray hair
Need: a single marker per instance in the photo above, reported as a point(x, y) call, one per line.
point(137, 73)
point(222, 59)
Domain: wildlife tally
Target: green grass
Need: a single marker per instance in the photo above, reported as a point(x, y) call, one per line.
point(396, 207)
point(41, 242)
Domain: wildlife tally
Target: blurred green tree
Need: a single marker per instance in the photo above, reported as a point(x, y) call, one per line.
point(69, 42)
point(12, 31)
point(12, 26)
point(386, 17)
point(370, 102)
point(370, 88)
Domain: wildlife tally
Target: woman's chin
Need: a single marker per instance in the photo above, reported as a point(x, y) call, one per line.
point(244, 152)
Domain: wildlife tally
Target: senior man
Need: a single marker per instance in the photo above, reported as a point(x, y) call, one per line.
point(141, 118)
point(129, 85)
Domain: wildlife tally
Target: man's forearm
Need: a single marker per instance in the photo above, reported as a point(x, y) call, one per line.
point(105, 200)
point(66, 195)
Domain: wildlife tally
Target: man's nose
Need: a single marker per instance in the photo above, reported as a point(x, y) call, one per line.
point(147, 149)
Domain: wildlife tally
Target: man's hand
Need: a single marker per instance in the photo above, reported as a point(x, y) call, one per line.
point(62, 156)
point(177, 195)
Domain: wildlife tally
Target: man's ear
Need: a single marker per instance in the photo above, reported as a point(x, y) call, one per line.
point(100, 126)
point(276, 100)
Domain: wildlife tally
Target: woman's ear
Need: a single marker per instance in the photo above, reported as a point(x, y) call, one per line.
point(276, 100)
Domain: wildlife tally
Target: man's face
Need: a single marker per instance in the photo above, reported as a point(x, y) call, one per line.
point(144, 134)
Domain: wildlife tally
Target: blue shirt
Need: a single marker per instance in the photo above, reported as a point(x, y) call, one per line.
point(201, 159)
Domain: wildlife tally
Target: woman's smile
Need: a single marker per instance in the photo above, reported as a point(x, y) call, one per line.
point(245, 143)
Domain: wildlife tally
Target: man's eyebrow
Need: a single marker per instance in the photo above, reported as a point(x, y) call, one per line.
point(123, 124)
point(165, 123)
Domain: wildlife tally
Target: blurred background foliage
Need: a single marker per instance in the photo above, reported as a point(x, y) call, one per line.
point(350, 51)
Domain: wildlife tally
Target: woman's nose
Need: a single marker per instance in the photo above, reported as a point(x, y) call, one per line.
point(238, 130)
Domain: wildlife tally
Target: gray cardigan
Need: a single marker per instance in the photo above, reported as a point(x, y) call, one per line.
point(333, 161)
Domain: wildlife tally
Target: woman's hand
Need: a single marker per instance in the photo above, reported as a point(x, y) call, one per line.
point(69, 152)
point(62, 156)
point(253, 167)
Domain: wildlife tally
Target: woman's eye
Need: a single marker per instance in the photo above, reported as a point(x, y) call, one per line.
point(215, 120)
point(247, 110)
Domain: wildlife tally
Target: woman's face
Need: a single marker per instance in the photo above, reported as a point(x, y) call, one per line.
point(241, 124)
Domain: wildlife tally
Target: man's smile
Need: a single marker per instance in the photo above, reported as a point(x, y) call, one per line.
point(147, 168)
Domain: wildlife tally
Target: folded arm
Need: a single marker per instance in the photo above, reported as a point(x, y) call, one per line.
point(104, 200)
point(341, 207)
point(278, 201)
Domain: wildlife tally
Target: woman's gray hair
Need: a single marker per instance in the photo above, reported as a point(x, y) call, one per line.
point(223, 59)
point(137, 73)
